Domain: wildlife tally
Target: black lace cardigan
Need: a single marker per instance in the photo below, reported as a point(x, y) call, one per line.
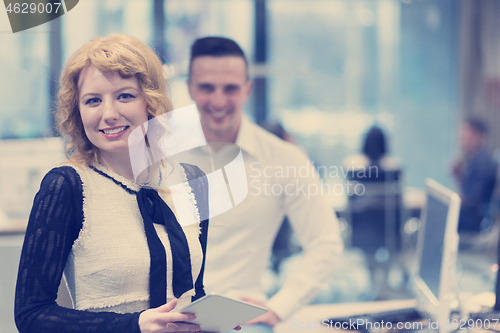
point(54, 224)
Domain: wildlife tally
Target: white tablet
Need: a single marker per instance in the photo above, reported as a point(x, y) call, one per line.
point(215, 313)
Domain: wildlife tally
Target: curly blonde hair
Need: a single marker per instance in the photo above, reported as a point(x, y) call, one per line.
point(119, 53)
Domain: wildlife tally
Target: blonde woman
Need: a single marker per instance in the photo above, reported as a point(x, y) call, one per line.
point(126, 259)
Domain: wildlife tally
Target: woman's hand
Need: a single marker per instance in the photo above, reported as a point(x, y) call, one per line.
point(160, 319)
point(269, 318)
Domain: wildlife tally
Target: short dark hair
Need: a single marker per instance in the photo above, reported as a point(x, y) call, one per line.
point(375, 146)
point(477, 124)
point(216, 47)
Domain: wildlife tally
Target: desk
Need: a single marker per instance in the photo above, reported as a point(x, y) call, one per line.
point(11, 242)
point(10, 251)
point(309, 317)
point(13, 226)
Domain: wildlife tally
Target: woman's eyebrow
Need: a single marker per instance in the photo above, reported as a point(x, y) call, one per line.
point(88, 94)
point(128, 87)
point(117, 90)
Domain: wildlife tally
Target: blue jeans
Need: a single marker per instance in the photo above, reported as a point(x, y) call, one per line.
point(257, 328)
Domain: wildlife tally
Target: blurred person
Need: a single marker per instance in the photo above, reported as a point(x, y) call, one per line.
point(375, 146)
point(126, 259)
point(241, 239)
point(376, 213)
point(475, 173)
point(374, 152)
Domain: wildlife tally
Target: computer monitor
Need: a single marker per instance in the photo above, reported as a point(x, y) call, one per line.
point(497, 288)
point(436, 250)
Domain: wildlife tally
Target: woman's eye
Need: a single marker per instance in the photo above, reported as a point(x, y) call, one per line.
point(125, 96)
point(92, 101)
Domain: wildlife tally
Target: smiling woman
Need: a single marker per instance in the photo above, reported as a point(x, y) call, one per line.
point(120, 57)
point(111, 107)
point(125, 257)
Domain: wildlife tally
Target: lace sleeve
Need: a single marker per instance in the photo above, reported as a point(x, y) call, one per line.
point(200, 190)
point(54, 223)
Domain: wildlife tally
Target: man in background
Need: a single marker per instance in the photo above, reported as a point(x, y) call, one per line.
point(240, 240)
point(475, 173)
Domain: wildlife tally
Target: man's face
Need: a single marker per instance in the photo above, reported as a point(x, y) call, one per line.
point(220, 88)
point(471, 139)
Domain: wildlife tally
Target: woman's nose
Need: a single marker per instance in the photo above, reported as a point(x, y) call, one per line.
point(110, 112)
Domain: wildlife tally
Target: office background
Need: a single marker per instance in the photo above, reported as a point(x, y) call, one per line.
point(326, 69)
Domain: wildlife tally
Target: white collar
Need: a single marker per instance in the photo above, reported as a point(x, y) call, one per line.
point(246, 138)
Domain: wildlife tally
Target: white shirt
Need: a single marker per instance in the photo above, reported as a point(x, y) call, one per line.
point(281, 181)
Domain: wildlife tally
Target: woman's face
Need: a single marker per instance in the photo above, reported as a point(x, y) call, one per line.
point(111, 107)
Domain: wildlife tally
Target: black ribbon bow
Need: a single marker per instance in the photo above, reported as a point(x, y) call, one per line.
point(154, 210)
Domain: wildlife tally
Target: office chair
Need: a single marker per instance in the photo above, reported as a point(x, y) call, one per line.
point(375, 213)
point(375, 217)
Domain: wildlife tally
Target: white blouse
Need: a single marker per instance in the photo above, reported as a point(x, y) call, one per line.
point(108, 267)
